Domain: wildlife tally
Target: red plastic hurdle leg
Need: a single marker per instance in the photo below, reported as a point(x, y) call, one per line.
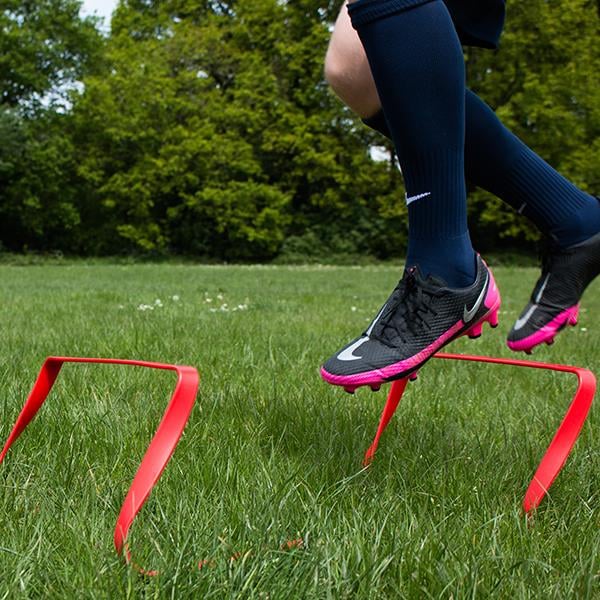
point(562, 443)
point(160, 449)
point(393, 399)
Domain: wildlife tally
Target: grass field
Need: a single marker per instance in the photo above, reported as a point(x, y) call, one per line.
point(272, 453)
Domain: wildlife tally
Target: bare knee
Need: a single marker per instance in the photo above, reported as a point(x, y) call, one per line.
point(340, 73)
point(347, 70)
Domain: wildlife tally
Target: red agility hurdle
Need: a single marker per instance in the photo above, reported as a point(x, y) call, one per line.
point(159, 451)
point(559, 448)
point(182, 401)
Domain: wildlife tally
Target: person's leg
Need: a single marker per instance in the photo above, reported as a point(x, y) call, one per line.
point(417, 64)
point(498, 161)
point(509, 169)
point(506, 167)
point(447, 291)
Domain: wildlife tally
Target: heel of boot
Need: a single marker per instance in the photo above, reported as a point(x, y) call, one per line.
point(491, 318)
point(475, 331)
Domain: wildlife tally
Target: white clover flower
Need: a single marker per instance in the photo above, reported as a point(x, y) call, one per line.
point(353, 308)
point(175, 298)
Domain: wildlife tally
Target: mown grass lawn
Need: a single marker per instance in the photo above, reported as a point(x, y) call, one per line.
point(272, 453)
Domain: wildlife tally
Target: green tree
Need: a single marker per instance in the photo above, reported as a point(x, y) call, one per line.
point(213, 133)
point(45, 47)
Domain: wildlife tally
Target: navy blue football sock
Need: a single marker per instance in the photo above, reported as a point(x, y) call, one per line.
point(498, 161)
point(418, 67)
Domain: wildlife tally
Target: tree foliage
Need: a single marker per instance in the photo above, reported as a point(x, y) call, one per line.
point(206, 128)
point(221, 138)
point(44, 46)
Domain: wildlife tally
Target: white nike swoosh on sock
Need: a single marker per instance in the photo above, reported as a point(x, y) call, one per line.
point(410, 199)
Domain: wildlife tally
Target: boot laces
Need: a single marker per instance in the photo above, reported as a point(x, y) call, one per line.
point(408, 312)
